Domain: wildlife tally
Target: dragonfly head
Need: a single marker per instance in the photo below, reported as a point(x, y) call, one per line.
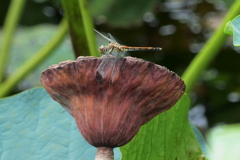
point(102, 49)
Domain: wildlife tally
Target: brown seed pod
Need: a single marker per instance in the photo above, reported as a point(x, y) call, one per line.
point(110, 109)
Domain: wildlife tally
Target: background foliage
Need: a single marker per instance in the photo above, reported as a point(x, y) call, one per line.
point(181, 28)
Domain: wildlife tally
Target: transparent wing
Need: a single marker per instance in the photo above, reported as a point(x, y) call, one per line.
point(104, 36)
point(106, 65)
point(110, 64)
point(111, 37)
point(116, 69)
point(118, 54)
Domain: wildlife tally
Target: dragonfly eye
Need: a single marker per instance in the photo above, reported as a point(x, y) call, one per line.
point(101, 49)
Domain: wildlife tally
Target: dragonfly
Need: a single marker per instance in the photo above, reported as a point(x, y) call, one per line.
point(116, 50)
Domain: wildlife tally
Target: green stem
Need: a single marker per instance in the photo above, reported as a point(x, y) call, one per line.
point(10, 24)
point(76, 29)
point(35, 60)
point(209, 50)
point(80, 27)
point(88, 27)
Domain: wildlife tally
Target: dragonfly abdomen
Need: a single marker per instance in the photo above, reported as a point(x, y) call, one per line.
point(126, 48)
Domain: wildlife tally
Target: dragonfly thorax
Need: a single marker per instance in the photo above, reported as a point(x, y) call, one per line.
point(110, 48)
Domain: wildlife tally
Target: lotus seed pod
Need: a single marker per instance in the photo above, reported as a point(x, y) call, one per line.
point(110, 106)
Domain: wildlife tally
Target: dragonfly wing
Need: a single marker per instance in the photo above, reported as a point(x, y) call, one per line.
point(118, 54)
point(116, 68)
point(106, 65)
point(104, 36)
point(121, 54)
point(111, 37)
point(110, 64)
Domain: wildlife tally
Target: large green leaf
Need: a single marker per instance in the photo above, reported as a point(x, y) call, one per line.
point(168, 136)
point(225, 142)
point(232, 28)
point(26, 42)
point(33, 126)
